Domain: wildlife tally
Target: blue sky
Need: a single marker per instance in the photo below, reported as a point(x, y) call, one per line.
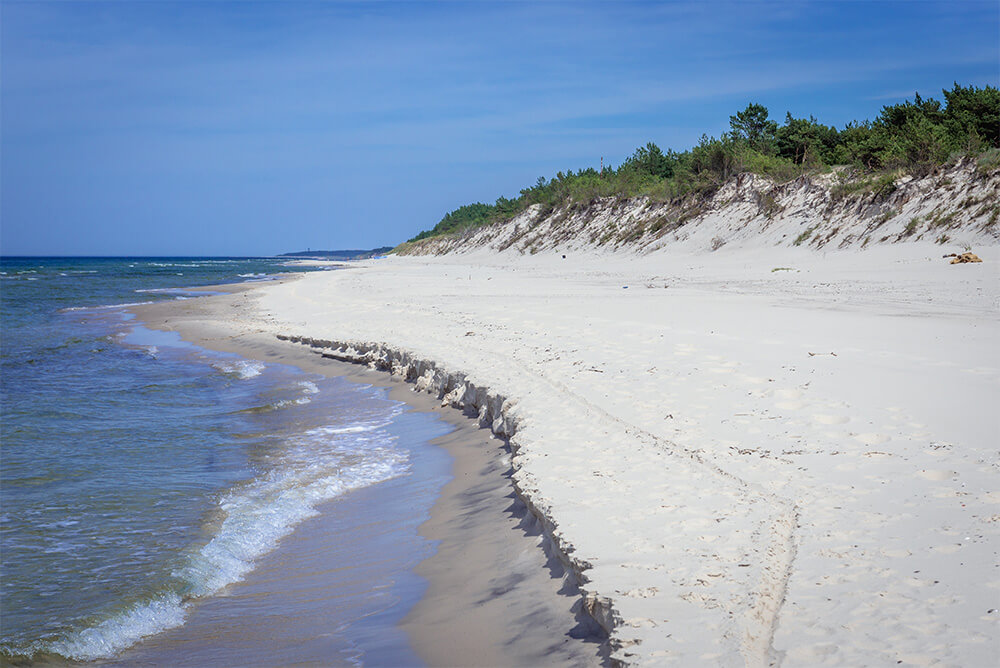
point(230, 128)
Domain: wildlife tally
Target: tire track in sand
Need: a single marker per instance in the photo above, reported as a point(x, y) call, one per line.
point(760, 620)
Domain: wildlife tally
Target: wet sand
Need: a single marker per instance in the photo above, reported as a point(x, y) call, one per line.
point(490, 594)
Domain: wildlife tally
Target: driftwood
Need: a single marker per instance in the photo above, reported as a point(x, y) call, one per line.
point(963, 258)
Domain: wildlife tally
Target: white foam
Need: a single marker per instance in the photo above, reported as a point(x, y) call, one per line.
point(308, 388)
point(355, 429)
point(121, 631)
point(319, 466)
point(243, 369)
point(301, 401)
point(104, 306)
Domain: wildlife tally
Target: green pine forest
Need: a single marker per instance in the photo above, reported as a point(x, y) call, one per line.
point(914, 137)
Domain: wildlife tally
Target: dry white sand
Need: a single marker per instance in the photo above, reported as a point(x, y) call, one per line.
point(751, 466)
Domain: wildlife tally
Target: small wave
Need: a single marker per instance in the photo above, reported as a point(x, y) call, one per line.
point(301, 401)
point(353, 429)
point(257, 515)
point(242, 369)
point(196, 263)
point(123, 630)
point(104, 306)
point(276, 406)
point(184, 292)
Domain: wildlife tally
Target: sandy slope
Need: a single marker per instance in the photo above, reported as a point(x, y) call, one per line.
point(749, 466)
point(956, 205)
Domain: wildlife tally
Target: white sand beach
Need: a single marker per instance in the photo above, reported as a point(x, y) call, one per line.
point(748, 457)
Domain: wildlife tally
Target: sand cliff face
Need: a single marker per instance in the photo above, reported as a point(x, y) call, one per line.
point(955, 206)
point(492, 411)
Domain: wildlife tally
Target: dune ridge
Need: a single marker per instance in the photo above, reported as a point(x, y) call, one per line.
point(955, 205)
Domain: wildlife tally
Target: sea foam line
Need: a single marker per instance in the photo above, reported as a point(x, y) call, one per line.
point(103, 306)
point(243, 369)
point(257, 516)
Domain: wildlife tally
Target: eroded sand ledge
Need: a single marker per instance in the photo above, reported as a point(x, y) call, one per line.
point(495, 412)
point(492, 411)
point(498, 594)
point(748, 457)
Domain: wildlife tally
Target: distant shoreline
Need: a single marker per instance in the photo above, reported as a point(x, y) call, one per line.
point(338, 254)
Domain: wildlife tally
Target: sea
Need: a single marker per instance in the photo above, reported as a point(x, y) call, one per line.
point(143, 478)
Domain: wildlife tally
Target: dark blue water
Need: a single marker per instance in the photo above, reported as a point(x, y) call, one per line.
point(140, 474)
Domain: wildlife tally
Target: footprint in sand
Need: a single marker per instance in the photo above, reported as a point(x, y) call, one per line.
point(787, 394)
point(917, 582)
point(791, 405)
point(896, 554)
point(937, 474)
point(990, 497)
point(831, 419)
point(871, 439)
point(683, 349)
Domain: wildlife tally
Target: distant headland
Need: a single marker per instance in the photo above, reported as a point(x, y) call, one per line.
point(339, 254)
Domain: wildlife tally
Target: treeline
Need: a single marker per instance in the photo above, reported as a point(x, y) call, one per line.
point(915, 136)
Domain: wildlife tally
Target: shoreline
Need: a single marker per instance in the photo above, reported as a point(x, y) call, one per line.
point(496, 593)
point(750, 456)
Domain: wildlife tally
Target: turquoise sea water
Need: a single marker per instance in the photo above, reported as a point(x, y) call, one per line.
point(140, 474)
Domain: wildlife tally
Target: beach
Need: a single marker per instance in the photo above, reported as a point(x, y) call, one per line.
point(500, 334)
point(493, 593)
point(747, 457)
